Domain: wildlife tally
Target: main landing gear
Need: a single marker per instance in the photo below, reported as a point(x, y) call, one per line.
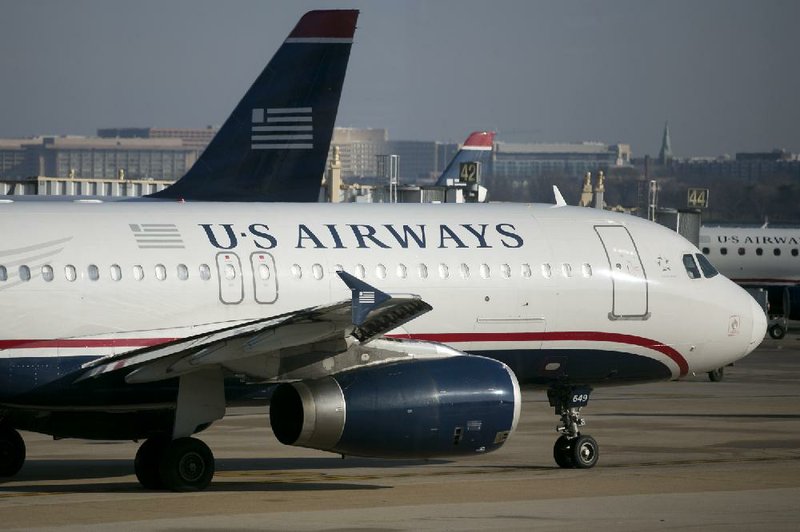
point(184, 464)
point(572, 449)
point(12, 451)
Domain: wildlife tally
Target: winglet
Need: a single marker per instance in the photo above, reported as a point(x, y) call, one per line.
point(560, 202)
point(365, 297)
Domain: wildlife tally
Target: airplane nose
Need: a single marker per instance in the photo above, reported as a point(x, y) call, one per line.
point(759, 326)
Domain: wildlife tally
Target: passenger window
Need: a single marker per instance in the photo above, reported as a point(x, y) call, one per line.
point(338, 268)
point(3, 273)
point(402, 271)
point(546, 271)
point(706, 251)
point(505, 270)
point(759, 251)
point(691, 267)
point(47, 273)
point(777, 252)
point(741, 251)
point(444, 271)
point(205, 272)
point(25, 273)
point(708, 269)
point(161, 272)
point(794, 252)
point(297, 271)
point(116, 272)
point(423, 271)
point(93, 272)
point(723, 251)
point(316, 271)
point(138, 272)
point(380, 271)
point(485, 271)
point(183, 272)
point(361, 272)
point(464, 271)
point(587, 270)
point(526, 271)
point(70, 272)
point(566, 269)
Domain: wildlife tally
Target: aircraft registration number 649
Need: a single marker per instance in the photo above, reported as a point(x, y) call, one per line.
point(580, 397)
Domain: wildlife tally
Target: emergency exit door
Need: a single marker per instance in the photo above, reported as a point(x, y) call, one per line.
point(628, 277)
point(265, 280)
point(231, 284)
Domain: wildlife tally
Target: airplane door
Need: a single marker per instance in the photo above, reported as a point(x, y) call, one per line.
point(265, 280)
point(628, 278)
point(231, 284)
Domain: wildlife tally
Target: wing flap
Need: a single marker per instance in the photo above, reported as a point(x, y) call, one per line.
point(369, 314)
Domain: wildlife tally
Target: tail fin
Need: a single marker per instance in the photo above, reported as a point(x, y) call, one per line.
point(274, 145)
point(477, 148)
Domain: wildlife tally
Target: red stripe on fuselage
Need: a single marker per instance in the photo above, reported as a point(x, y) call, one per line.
point(445, 338)
point(83, 343)
point(573, 336)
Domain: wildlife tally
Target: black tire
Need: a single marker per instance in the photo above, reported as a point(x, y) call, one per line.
point(186, 465)
point(777, 332)
point(147, 462)
point(716, 375)
point(12, 451)
point(585, 452)
point(562, 453)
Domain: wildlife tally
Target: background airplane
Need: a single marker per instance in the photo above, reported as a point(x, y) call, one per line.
point(760, 258)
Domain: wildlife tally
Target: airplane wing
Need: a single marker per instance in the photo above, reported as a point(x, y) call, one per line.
point(369, 314)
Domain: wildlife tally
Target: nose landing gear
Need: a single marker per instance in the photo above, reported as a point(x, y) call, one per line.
point(572, 449)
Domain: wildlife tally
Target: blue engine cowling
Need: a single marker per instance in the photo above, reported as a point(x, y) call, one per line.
point(411, 409)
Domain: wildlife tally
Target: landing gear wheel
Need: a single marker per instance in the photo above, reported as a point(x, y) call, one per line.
point(716, 375)
point(777, 332)
point(147, 462)
point(186, 465)
point(584, 451)
point(12, 452)
point(562, 453)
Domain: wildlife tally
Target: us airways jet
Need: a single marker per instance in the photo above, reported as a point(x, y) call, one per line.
point(760, 257)
point(143, 320)
point(134, 320)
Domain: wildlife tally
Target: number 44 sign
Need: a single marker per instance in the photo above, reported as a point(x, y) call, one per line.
point(698, 198)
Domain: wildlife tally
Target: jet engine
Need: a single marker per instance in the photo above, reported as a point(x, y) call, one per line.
point(411, 409)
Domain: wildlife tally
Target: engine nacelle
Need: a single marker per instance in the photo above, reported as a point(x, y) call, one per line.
point(411, 409)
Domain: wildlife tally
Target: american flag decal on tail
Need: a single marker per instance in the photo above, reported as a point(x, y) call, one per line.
point(282, 128)
point(366, 297)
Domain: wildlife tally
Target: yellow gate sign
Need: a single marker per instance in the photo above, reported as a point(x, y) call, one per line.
point(698, 197)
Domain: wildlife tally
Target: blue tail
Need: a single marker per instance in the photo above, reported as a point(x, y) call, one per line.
point(274, 145)
point(477, 148)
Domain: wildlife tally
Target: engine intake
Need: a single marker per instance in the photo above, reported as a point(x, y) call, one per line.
point(410, 409)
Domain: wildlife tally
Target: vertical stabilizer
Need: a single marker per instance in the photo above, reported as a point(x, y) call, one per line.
point(274, 145)
point(477, 148)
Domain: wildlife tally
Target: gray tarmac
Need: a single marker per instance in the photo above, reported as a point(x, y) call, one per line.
point(686, 455)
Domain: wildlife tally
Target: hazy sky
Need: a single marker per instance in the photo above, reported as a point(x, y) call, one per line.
point(723, 72)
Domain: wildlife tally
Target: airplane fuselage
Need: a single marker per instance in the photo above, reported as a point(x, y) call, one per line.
point(559, 294)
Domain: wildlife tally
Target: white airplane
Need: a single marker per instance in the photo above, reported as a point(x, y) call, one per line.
point(759, 257)
point(145, 319)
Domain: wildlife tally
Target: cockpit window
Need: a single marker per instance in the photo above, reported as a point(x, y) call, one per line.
point(708, 269)
point(691, 267)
